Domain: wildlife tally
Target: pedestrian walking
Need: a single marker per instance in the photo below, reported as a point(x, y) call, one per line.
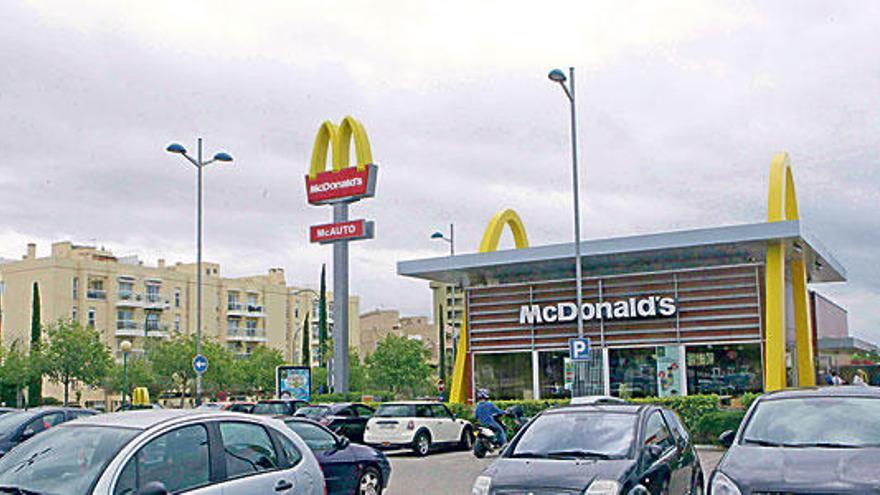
point(860, 378)
point(836, 380)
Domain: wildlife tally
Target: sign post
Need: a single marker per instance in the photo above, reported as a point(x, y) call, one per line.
point(339, 187)
point(200, 364)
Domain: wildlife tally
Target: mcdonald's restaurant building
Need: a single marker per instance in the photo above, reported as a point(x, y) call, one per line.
point(721, 310)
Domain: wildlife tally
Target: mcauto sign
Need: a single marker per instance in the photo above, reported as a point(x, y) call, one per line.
point(332, 232)
point(622, 309)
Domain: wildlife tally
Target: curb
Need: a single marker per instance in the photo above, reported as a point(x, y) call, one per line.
point(710, 447)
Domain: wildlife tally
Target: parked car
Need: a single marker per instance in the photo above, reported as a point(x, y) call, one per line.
point(349, 469)
point(240, 406)
point(347, 419)
point(278, 407)
point(821, 440)
point(4, 410)
point(16, 427)
point(597, 449)
point(420, 426)
point(164, 451)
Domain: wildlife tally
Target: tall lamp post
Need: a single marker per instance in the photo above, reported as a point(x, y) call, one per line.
point(125, 347)
point(199, 164)
point(442, 354)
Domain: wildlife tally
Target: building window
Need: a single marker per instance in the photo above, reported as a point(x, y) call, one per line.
point(96, 289)
point(152, 321)
point(92, 317)
point(177, 297)
point(251, 325)
point(551, 375)
point(508, 376)
point(232, 301)
point(153, 295)
point(75, 290)
point(74, 314)
point(724, 369)
point(633, 372)
point(125, 319)
point(126, 289)
point(177, 323)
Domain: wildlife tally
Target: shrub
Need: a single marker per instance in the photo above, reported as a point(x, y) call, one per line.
point(747, 399)
point(714, 423)
point(690, 408)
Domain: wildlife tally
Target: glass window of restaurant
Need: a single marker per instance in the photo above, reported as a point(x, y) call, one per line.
point(506, 376)
point(552, 378)
point(724, 369)
point(633, 372)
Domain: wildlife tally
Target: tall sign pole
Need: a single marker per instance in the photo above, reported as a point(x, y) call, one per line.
point(339, 187)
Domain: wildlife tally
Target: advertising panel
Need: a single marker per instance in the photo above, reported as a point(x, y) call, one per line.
point(670, 370)
point(342, 231)
point(348, 184)
point(293, 382)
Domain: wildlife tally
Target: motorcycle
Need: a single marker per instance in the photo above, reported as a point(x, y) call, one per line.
point(487, 441)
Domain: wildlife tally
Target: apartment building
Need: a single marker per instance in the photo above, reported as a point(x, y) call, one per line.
point(306, 302)
point(380, 323)
point(127, 300)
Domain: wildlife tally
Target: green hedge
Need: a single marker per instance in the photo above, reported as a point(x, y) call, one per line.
point(378, 396)
point(747, 399)
point(714, 423)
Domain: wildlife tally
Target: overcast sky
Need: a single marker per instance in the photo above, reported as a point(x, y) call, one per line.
point(682, 105)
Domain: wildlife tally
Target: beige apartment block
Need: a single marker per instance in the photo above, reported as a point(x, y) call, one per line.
point(378, 324)
point(448, 307)
point(127, 300)
point(305, 301)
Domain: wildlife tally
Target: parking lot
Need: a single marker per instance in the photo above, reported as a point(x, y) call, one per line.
point(454, 472)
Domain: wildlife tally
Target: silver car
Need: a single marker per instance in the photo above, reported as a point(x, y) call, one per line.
point(164, 451)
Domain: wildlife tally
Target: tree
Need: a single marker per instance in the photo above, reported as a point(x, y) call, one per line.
point(322, 318)
point(256, 373)
point(16, 373)
point(357, 373)
point(73, 353)
point(138, 372)
point(35, 388)
point(171, 360)
point(400, 365)
point(307, 345)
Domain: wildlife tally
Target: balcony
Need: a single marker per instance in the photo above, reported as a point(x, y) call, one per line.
point(129, 328)
point(161, 333)
point(255, 311)
point(128, 299)
point(246, 334)
point(94, 293)
point(154, 301)
point(235, 309)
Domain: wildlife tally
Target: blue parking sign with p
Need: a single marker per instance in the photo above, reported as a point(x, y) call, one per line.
point(579, 349)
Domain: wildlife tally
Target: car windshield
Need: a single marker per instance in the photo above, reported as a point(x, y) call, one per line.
point(577, 435)
point(64, 460)
point(844, 422)
point(9, 422)
point(313, 411)
point(395, 411)
point(270, 408)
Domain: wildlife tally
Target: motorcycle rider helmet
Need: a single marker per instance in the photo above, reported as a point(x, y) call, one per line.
point(482, 394)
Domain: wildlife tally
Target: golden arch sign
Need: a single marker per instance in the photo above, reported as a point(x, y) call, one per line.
point(458, 391)
point(782, 206)
point(343, 183)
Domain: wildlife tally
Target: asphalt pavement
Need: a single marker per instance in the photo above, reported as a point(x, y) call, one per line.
point(453, 473)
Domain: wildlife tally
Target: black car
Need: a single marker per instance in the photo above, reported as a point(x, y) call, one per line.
point(598, 449)
point(349, 469)
point(16, 427)
point(348, 419)
point(278, 407)
point(820, 440)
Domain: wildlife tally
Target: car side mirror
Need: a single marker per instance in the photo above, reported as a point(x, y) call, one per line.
point(726, 438)
point(343, 442)
point(26, 434)
point(153, 488)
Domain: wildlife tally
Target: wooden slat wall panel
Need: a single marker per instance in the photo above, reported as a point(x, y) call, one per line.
point(722, 303)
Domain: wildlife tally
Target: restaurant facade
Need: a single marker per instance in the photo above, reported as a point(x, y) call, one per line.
point(674, 313)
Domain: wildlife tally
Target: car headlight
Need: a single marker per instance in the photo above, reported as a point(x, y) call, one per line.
point(482, 485)
point(722, 485)
point(603, 487)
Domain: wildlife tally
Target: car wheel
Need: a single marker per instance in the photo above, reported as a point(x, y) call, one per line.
point(422, 444)
point(467, 439)
point(370, 482)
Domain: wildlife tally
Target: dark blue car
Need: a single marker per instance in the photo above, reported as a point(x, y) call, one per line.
point(348, 468)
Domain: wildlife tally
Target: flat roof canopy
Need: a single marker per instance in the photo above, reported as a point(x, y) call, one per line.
point(729, 245)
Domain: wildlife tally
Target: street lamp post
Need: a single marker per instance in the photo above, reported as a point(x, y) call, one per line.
point(442, 353)
point(558, 76)
point(125, 347)
point(199, 164)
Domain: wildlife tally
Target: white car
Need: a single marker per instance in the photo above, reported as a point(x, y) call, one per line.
point(419, 426)
point(164, 451)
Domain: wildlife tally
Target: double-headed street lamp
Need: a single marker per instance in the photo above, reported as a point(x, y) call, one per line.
point(442, 351)
point(199, 164)
point(558, 76)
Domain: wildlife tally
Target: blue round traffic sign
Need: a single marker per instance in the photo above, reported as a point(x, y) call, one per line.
point(200, 364)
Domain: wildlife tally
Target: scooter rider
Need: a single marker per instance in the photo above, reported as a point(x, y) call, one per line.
point(485, 413)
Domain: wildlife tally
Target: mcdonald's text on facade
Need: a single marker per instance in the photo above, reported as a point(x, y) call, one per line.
point(345, 185)
point(342, 231)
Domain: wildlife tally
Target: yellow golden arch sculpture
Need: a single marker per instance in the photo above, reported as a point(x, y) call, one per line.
point(338, 139)
point(504, 218)
point(782, 206)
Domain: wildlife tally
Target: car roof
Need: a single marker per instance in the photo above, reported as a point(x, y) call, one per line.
point(412, 403)
point(839, 391)
point(600, 408)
